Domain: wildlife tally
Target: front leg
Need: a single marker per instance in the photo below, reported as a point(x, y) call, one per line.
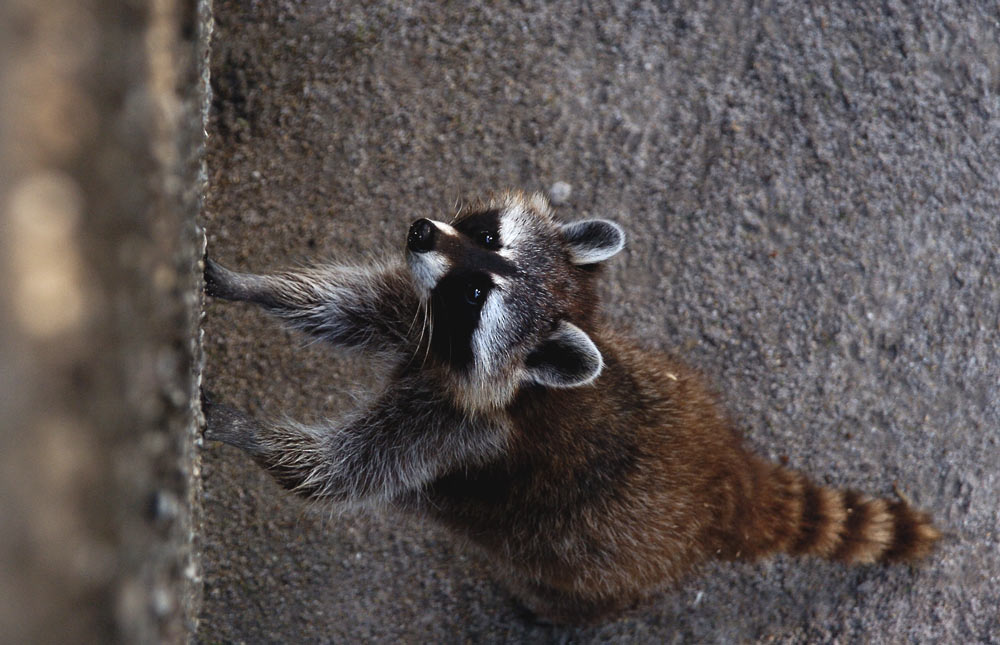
point(372, 308)
point(229, 425)
point(404, 440)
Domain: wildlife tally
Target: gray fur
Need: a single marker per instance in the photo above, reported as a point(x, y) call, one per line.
point(428, 420)
point(590, 494)
point(594, 240)
point(366, 308)
point(407, 437)
point(578, 361)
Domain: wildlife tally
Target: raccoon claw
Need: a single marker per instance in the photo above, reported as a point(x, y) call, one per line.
point(230, 425)
point(213, 278)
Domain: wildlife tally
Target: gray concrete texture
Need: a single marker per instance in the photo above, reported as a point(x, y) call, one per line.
point(811, 197)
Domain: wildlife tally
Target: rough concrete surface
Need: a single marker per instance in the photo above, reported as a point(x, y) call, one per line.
point(811, 195)
point(101, 133)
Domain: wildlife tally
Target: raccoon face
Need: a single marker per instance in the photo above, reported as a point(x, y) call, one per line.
point(508, 290)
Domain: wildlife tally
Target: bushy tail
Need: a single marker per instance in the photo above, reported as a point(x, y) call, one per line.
point(796, 516)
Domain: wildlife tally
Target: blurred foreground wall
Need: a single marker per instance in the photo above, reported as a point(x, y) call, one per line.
point(101, 133)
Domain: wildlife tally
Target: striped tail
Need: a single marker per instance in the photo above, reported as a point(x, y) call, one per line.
point(796, 516)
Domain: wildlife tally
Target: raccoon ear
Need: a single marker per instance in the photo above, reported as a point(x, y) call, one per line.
point(567, 358)
point(593, 240)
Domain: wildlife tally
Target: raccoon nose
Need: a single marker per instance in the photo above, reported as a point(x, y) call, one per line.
point(421, 236)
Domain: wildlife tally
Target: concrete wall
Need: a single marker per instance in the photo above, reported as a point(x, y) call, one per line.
point(811, 196)
point(100, 182)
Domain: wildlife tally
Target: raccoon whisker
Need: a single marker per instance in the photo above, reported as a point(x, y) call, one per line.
point(537, 430)
point(422, 314)
point(429, 325)
point(413, 321)
point(418, 315)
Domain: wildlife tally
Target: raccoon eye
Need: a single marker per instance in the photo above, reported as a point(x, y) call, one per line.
point(488, 239)
point(475, 295)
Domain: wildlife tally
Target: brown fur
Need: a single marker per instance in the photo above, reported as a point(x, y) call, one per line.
point(589, 494)
point(614, 490)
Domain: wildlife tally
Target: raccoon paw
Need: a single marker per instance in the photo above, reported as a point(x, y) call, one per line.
point(229, 425)
point(214, 276)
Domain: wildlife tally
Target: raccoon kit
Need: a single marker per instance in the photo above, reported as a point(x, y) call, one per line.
point(591, 471)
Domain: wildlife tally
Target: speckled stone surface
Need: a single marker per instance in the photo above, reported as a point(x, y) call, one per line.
point(812, 199)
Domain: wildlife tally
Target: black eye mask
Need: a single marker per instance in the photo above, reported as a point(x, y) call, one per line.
point(456, 303)
point(472, 225)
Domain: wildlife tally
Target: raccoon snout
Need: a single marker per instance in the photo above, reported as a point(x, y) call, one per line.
point(421, 236)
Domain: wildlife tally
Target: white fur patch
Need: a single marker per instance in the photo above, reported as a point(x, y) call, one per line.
point(427, 269)
point(593, 241)
point(488, 341)
point(515, 227)
point(445, 228)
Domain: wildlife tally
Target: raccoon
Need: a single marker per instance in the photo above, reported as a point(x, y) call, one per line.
point(592, 471)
